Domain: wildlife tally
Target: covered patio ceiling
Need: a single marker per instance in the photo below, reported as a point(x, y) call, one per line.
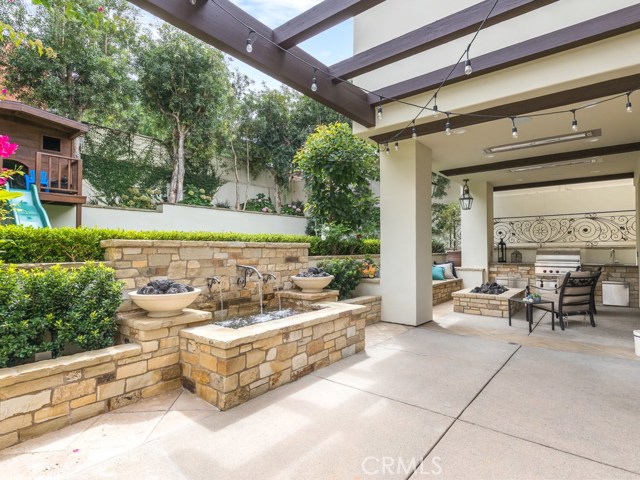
point(614, 155)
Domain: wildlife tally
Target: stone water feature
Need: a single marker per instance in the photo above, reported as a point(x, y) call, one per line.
point(228, 366)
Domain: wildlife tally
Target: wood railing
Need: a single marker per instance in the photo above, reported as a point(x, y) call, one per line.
point(58, 174)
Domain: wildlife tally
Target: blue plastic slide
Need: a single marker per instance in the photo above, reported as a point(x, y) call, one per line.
point(27, 209)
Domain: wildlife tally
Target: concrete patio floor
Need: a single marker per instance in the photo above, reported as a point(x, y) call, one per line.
point(423, 402)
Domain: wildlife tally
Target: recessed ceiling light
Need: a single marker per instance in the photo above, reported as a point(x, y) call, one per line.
point(593, 139)
point(541, 142)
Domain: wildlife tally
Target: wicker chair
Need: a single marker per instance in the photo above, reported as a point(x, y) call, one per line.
point(575, 295)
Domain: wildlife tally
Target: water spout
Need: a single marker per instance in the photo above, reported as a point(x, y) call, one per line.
point(612, 254)
point(267, 276)
point(248, 271)
point(211, 281)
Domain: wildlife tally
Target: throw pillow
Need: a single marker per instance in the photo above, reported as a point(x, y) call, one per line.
point(448, 270)
point(437, 273)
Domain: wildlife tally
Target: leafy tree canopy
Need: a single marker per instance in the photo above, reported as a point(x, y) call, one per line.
point(337, 168)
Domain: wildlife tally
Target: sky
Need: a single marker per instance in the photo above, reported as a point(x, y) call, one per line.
point(329, 47)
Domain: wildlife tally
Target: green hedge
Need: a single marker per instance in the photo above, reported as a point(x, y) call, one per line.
point(37, 245)
point(42, 310)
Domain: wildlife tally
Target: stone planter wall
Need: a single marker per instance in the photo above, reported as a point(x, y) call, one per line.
point(442, 289)
point(48, 395)
point(373, 307)
point(488, 305)
point(228, 367)
point(139, 261)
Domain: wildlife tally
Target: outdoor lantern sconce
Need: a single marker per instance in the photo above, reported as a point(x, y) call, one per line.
point(466, 200)
point(502, 251)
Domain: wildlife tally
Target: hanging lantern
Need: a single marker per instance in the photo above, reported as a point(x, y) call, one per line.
point(502, 251)
point(516, 257)
point(466, 200)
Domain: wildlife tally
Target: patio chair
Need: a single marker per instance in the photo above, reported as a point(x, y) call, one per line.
point(576, 295)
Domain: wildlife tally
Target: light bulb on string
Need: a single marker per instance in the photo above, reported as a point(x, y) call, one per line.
point(414, 134)
point(379, 112)
point(386, 149)
point(468, 70)
point(250, 42)
point(574, 122)
point(447, 126)
point(314, 84)
point(514, 129)
point(396, 147)
point(628, 106)
point(435, 110)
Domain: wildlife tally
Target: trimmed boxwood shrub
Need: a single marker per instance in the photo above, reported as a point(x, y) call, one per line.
point(39, 245)
point(42, 310)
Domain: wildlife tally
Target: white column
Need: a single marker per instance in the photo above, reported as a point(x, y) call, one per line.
point(405, 234)
point(636, 183)
point(477, 228)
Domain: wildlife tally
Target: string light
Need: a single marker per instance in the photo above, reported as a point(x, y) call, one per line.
point(249, 42)
point(467, 65)
point(447, 126)
point(379, 112)
point(436, 112)
point(386, 149)
point(396, 146)
point(468, 70)
point(574, 123)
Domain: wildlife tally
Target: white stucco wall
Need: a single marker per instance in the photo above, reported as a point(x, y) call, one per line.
point(178, 217)
point(581, 198)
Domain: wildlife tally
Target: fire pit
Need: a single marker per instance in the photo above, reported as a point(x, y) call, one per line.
point(490, 288)
point(490, 299)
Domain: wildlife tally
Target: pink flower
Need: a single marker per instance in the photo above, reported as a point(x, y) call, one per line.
point(4, 91)
point(6, 147)
point(100, 9)
point(3, 181)
point(265, 209)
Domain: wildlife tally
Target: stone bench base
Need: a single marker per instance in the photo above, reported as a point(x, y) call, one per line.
point(443, 289)
point(489, 305)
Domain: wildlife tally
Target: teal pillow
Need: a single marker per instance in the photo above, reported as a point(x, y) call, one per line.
point(437, 273)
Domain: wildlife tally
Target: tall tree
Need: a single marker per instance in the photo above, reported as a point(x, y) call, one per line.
point(185, 84)
point(90, 75)
point(338, 169)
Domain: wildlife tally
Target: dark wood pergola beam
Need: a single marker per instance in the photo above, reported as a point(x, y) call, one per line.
point(522, 107)
point(211, 24)
point(318, 19)
point(437, 33)
point(567, 181)
point(544, 159)
point(590, 31)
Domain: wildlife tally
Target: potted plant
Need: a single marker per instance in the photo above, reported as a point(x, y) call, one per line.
point(314, 280)
point(164, 298)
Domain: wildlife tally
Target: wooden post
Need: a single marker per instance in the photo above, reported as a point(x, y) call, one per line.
point(78, 215)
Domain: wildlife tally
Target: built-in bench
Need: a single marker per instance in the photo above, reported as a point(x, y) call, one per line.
point(443, 289)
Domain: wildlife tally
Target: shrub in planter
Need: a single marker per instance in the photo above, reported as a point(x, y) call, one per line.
point(347, 274)
point(261, 203)
point(42, 310)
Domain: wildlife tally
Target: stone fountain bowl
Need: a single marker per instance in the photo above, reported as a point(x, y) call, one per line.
point(311, 284)
point(168, 305)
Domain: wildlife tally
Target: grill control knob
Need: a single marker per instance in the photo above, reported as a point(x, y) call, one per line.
point(557, 271)
point(544, 271)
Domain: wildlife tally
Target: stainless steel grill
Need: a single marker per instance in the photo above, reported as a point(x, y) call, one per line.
point(552, 264)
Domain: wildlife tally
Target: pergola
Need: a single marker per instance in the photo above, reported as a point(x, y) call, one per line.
point(399, 67)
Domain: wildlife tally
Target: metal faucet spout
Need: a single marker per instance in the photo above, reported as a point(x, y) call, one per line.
point(248, 271)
